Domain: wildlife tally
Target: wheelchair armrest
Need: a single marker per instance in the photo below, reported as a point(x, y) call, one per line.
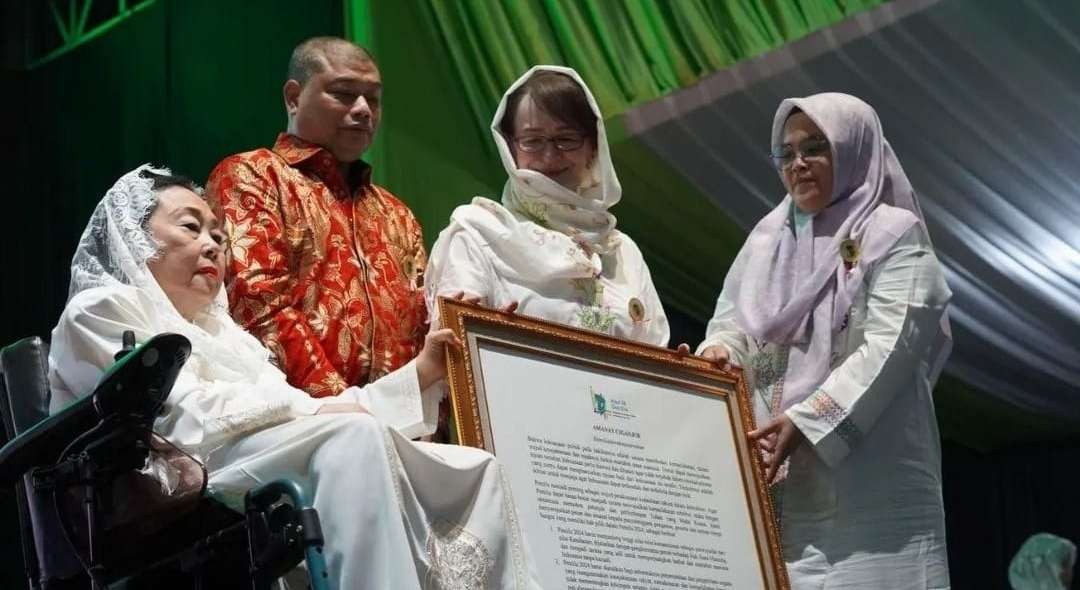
point(135, 387)
point(298, 528)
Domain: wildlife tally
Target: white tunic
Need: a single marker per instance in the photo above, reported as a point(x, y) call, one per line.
point(614, 296)
point(395, 514)
point(861, 504)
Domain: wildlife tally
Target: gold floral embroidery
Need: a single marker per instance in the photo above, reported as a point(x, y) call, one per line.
point(240, 240)
point(344, 346)
point(297, 277)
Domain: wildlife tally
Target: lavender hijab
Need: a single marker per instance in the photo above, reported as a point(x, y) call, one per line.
point(792, 288)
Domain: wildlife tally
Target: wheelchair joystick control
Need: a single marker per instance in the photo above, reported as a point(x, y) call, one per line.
point(128, 340)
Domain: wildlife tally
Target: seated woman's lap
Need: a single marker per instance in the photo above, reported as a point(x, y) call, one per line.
point(342, 450)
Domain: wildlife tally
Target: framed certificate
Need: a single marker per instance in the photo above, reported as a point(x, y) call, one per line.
point(629, 463)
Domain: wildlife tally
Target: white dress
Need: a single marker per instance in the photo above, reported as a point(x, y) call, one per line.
point(861, 504)
point(395, 513)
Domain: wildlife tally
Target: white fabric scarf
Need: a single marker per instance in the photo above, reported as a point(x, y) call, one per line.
point(552, 232)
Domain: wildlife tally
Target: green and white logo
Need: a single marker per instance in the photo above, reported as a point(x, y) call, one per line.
point(606, 406)
point(599, 403)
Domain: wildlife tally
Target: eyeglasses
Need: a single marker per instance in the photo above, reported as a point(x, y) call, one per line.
point(814, 148)
point(537, 143)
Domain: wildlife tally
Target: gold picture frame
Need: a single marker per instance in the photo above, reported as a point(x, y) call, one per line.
point(478, 326)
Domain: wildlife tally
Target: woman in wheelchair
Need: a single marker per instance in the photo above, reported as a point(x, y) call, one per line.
point(395, 513)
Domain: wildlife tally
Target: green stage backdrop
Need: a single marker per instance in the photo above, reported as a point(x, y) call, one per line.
point(446, 64)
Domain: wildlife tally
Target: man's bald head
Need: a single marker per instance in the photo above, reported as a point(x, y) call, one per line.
point(313, 56)
point(333, 97)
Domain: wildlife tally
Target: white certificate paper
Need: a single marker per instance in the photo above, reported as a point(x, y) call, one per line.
point(619, 482)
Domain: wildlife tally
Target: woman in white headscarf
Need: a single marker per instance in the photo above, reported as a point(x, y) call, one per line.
point(835, 308)
point(551, 245)
point(394, 513)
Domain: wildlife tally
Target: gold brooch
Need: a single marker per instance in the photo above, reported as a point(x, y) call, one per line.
point(849, 252)
point(636, 309)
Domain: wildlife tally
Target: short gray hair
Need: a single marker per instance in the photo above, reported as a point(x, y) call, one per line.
point(308, 57)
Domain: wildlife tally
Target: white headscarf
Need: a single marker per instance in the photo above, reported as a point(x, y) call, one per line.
point(792, 287)
point(113, 251)
point(582, 214)
point(569, 230)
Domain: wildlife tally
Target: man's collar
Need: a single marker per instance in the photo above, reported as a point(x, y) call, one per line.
point(295, 150)
point(301, 153)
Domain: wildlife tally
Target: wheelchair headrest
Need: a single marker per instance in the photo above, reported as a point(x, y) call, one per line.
point(25, 399)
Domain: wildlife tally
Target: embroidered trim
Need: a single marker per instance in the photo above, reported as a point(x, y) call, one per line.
point(590, 291)
point(768, 369)
point(510, 516)
point(396, 466)
point(776, 493)
point(596, 319)
point(592, 314)
point(249, 419)
point(536, 211)
point(458, 559)
point(836, 416)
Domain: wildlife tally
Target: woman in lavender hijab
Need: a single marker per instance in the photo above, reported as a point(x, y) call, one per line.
point(836, 309)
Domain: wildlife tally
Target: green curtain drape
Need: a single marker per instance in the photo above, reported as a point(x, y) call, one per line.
point(628, 51)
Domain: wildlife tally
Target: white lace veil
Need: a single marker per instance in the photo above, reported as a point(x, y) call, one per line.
point(113, 251)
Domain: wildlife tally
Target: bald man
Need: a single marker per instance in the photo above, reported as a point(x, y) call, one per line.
point(326, 267)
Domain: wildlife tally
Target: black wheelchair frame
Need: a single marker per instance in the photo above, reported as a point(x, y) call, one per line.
point(82, 452)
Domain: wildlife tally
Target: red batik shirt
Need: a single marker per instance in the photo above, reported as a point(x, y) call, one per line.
point(329, 279)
